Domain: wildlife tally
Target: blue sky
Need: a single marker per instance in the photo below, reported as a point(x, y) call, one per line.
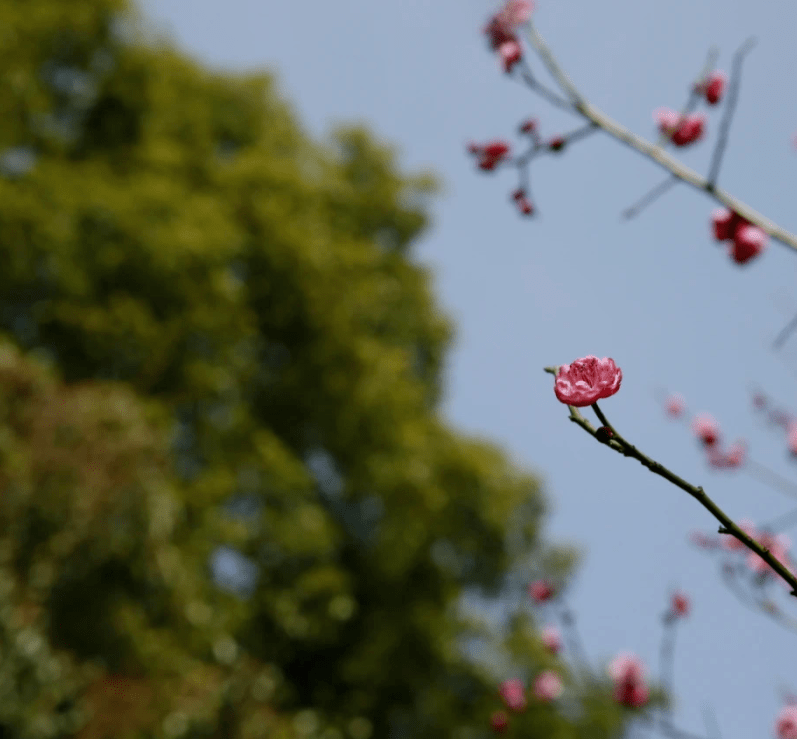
point(656, 294)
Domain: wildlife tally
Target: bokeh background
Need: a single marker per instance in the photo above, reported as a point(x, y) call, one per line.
point(222, 471)
point(656, 293)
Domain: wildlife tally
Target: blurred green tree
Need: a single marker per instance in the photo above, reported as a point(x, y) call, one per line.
point(230, 505)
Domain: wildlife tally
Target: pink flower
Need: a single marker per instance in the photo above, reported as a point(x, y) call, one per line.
point(682, 131)
point(628, 674)
point(548, 686)
point(791, 439)
point(587, 380)
point(540, 591)
point(515, 12)
point(626, 666)
point(498, 148)
point(786, 724)
point(513, 694)
point(529, 125)
point(674, 405)
point(706, 429)
point(491, 154)
point(722, 220)
point(501, 30)
point(666, 119)
point(551, 639)
point(735, 455)
point(748, 242)
point(715, 87)
point(689, 130)
point(499, 722)
point(510, 53)
point(680, 604)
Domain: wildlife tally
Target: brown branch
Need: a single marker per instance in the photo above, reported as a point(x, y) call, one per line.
point(651, 151)
point(620, 445)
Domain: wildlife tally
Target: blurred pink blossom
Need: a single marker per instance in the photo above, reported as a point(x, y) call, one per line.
point(513, 694)
point(548, 686)
point(786, 723)
point(551, 638)
point(706, 429)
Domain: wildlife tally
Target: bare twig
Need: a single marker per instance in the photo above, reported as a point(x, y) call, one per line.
point(655, 153)
point(730, 107)
point(780, 339)
point(650, 197)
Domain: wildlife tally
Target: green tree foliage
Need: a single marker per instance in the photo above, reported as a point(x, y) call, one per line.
point(230, 505)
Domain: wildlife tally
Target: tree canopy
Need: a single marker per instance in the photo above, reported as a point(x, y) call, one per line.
point(231, 506)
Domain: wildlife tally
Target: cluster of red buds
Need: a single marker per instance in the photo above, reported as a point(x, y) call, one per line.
point(501, 31)
point(497, 151)
point(683, 130)
point(707, 430)
point(747, 241)
point(712, 87)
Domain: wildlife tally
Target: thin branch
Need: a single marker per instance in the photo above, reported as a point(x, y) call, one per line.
point(730, 107)
point(784, 333)
point(771, 478)
point(620, 445)
point(655, 153)
point(650, 197)
point(542, 90)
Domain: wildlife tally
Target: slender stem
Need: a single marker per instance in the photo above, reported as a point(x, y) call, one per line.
point(650, 197)
point(784, 333)
point(730, 107)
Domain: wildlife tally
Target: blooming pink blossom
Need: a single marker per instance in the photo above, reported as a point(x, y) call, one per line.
point(706, 429)
point(722, 220)
point(499, 722)
point(681, 130)
point(680, 604)
point(674, 405)
point(735, 455)
point(791, 438)
point(689, 130)
point(748, 242)
point(587, 380)
point(628, 674)
point(540, 591)
point(552, 639)
point(501, 30)
point(513, 694)
point(666, 119)
point(713, 87)
point(548, 686)
point(510, 53)
point(786, 723)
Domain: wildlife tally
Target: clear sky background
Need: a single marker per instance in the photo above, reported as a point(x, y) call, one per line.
point(656, 294)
